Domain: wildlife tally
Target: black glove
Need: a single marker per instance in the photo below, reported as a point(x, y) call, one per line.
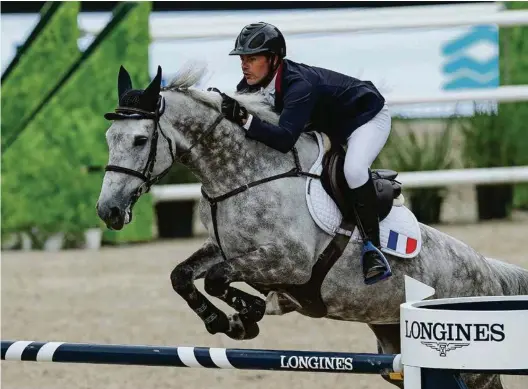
point(213, 89)
point(231, 108)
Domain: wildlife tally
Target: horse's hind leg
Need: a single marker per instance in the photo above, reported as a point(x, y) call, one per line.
point(482, 381)
point(388, 336)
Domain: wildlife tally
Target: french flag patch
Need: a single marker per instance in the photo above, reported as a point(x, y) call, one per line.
point(401, 243)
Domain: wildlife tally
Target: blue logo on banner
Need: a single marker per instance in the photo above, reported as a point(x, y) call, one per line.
point(472, 59)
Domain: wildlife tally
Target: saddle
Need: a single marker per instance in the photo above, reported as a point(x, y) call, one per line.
point(308, 295)
point(334, 182)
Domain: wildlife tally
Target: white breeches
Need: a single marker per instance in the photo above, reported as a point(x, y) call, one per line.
point(364, 145)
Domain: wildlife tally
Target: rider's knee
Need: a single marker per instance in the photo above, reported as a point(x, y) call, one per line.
point(356, 175)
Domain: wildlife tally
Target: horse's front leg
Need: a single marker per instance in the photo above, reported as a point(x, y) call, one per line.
point(269, 264)
point(216, 321)
point(183, 277)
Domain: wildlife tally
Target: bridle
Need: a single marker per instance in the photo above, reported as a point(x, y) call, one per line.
point(127, 113)
point(122, 113)
point(130, 113)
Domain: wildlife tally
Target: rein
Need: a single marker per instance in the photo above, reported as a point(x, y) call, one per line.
point(123, 113)
point(213, 201)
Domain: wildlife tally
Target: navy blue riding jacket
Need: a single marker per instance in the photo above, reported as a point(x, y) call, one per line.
point(310, 98)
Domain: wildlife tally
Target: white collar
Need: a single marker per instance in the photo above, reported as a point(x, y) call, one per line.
point(270, 88)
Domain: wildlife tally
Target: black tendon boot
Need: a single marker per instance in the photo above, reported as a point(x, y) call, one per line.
point(375, 265)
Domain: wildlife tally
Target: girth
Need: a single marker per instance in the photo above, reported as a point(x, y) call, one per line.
point(309, 293)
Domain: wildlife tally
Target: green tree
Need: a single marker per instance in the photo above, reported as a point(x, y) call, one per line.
point(38, 66)
point(514, 71)
point(45, 180)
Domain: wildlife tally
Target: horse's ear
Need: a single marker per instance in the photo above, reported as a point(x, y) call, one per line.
point(149, 98)
point(124, 83)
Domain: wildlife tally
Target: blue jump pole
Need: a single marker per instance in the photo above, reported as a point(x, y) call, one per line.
point(205, 357)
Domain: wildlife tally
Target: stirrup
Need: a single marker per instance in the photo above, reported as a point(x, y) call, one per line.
point(368, 246)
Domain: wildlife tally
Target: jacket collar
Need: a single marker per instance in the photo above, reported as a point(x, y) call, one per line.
point(279, 105)
point(244, 87)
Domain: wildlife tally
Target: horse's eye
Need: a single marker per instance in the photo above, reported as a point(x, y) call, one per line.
point(140, 140)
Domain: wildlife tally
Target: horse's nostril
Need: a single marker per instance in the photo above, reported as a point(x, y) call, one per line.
point(114, 212)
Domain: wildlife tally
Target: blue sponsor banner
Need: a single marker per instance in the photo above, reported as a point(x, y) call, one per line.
point(471, 59)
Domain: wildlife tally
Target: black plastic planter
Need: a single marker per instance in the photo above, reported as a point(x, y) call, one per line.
point(494, 201)
point(175, 219)
point(426, 204)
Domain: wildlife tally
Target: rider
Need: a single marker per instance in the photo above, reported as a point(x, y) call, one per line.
point(350, 111)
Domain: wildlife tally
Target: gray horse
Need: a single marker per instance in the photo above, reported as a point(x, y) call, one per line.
point(264, 235)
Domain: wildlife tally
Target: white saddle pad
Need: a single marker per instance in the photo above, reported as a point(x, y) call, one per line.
point(399, 231)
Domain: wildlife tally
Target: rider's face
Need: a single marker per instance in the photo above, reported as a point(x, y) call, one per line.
point(254, 67)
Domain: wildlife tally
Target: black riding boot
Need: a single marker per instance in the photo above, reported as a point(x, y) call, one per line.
point(375, 266)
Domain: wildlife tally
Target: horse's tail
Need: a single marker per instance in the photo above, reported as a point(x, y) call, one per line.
point(513, 278)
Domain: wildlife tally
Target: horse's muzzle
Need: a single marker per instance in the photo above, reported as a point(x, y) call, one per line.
point(114, 216)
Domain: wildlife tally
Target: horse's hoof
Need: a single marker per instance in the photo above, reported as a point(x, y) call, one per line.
point(241, 330)
point(252, 330)
point(278, 304)
point(236, 328)
point(217, 322)
point(254, 312)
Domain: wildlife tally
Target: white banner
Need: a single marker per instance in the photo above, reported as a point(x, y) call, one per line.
point(399, 62)
point(487, 336)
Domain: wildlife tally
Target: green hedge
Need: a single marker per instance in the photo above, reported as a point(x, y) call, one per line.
point(47, 54)
point(514, 71)
point(45, 180)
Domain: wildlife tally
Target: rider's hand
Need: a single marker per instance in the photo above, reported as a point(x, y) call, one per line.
point(232, 109)
point(213, 89)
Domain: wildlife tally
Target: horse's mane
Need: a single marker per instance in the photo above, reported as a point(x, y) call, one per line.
point(190, 74)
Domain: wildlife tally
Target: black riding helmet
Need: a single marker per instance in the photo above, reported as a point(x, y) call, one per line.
point(261, 38)
point(257, 38)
